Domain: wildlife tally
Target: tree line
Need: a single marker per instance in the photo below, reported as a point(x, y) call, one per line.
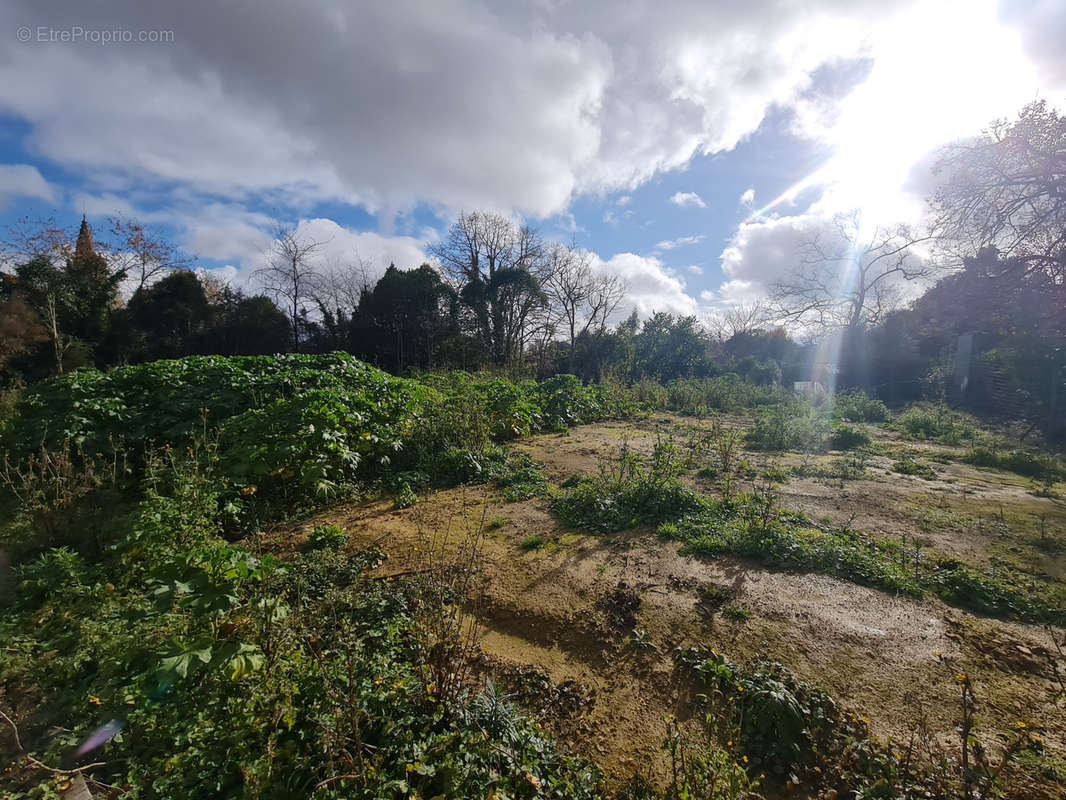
point(499, 296)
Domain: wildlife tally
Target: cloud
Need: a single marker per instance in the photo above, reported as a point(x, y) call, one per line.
point(696, 269)
point(387, 105)
point(650, 285)
point(748, 198)
point(682, 241)
point(625, 200)
point(23, 180)
point(687, 200)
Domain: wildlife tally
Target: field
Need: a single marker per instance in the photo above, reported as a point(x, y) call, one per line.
point(462, 586)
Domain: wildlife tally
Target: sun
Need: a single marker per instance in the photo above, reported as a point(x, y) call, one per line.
point(941, 72)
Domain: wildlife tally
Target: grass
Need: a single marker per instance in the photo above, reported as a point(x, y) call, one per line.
point(912, 466)
point(748, 527)
point(737, 613)
point(534, 542)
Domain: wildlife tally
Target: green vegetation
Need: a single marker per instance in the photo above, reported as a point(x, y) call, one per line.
point(787, 430)
point(325, 537)
point(936, 422)
point(908, 465)
point(797, 734)
point(233, 673)
point(845, 437)
point(856, 406)
point(750, 526)
point(630, 491)
point(534, 542)
point(1031, 464)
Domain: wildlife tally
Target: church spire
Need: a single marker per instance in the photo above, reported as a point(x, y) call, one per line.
point(84, 248)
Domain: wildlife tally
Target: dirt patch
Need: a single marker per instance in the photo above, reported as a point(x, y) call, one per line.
point(885, 657)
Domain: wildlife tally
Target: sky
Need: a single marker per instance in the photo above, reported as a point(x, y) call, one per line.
point(690, 147)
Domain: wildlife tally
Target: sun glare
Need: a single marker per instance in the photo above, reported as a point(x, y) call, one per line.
point(940, 73)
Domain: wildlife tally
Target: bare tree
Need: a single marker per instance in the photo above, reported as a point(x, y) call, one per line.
point(142, 253)
point(26, 239)
point(851, 278)
point(289, 273)
point(740, 319)
point(1007, 189)
point(489, 260)
point(582, 299)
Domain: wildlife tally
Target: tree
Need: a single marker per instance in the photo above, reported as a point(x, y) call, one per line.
point(289, 274)
point(21, 331)
point(246, 326)
point(169, 318)
point(1007, 189)
point(144, 254)
point(746, 318)
point(671, 347)
point(583, 300)
point(515, 295)
point(851, 278)
point(403, 319)
point(477, 247)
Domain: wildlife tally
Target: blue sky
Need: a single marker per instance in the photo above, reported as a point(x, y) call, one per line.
point(635, 133)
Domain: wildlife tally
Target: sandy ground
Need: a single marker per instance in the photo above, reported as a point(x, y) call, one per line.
point(888, 658)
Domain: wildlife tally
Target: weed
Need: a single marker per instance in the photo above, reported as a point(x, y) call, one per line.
point(532, 542)
point(780, 431)
point(912, 466)
point(626, 493)
point(325, 537)
point(737, 613)
point(405, 497)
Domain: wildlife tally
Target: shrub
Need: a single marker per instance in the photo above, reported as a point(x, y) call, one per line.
point(628, 493)
point(845, 437)
point(856, 406)
point(935, 421)
point(1031, 464)
point(779, 431)
point(325, 537)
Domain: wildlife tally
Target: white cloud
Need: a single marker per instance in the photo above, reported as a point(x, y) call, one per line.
point(748, 197)
point(650, 285)
point(695, 269)
point(389, 104)
point(625, 200)
point(681, 241)
point(23, 180)
point(687, 200)
point(370, 250)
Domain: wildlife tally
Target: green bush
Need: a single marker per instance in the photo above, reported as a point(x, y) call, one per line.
point(1031, 464)
point(779, 431)
point(534, 542)
point(929, 421)
point(845, 437)
point(629, 493)
point(325, 537)
point(856, 406)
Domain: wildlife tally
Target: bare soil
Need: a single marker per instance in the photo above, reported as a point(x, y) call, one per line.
point(889, 659)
